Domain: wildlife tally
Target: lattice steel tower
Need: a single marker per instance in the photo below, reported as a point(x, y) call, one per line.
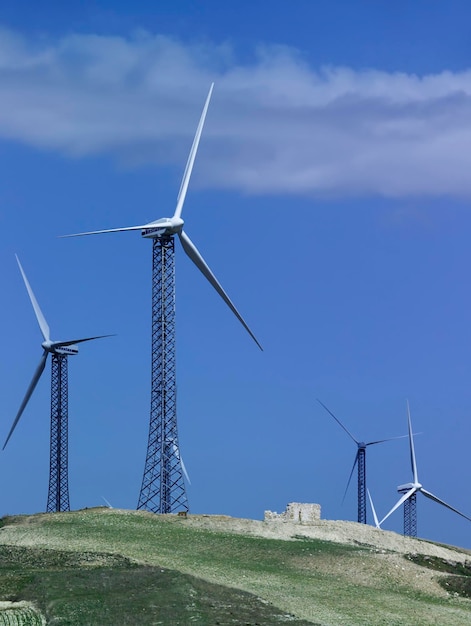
point(163, 486)
point(58, 494)
point(410, 514)
point(360, 461)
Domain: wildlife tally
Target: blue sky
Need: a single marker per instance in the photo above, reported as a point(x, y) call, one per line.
point(330, 197)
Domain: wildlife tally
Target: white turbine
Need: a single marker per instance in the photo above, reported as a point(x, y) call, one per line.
point(415, 486)
point(163, 489)
point(360, 461)
point(174, 226)
point(66, 348)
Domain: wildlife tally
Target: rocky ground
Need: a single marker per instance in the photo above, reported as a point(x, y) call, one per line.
point(329, 530)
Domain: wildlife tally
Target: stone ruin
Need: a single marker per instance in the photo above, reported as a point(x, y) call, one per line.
point(297, 513)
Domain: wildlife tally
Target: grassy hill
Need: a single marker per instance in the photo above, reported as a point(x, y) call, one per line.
point(107, 566)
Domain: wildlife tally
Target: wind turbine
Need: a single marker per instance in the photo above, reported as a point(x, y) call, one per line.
point(410, 490)
point(163, 488)
point(360, 461)
point(58, 493)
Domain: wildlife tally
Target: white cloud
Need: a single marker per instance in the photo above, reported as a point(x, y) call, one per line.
point(276, 125)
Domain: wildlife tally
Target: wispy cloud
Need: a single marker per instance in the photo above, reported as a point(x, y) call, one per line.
point(276, 124)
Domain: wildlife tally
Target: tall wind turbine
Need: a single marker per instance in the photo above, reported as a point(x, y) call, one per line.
point(163, 487)
point(58, 493)
point(360, 461)
point(410, 491)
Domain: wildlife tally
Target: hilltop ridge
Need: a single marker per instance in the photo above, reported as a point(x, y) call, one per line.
point(323, 572)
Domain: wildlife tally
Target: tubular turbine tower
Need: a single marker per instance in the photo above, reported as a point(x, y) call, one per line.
point(163, 486)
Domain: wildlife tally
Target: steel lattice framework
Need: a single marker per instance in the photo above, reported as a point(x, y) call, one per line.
point(58, 494)
point(163, 487)
point(361, 460)
point(410, 516)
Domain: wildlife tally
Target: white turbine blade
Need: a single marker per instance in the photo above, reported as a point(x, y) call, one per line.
point(109, 230)
point(448, 506)
point(184, 471)
point(71, 342)
point(178, 455)
point(412, 450)
point(373, 509)
point(372, 443)
point(43, 325)
point(350, 477)
point(398, 503)
point(31, 388)
point(191, 158)
point(195, 256)
point(106, 502)
point(338, 421)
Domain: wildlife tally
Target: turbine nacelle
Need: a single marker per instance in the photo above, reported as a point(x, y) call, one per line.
point(164, 226)
point(409, 486)
point(55, 348)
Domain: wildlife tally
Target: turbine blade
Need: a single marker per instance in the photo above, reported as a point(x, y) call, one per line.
point(191, 158)
point(373, 509)
point(184, 471)
point(398, 503)
point(71, 342)
point(43, 325)
point(106, 502)
point(412, 450)
point(448, 506)
point(195, 256)
point(350, 477)
point(372, 443)
point(179, 457)
point(109, 230)
point(338, 421)
point(31, 388)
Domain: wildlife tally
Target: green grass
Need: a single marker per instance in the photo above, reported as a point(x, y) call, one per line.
point(95, 588)
point(104, 566)
point(460, 581)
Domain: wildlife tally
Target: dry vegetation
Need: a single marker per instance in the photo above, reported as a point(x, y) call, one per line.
point(324, 572)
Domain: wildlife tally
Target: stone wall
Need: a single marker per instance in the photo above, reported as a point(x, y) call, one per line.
point(296, 512)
